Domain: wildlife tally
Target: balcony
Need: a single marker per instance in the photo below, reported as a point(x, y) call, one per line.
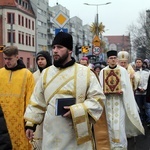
point(49, 42)
point(51, 31)
point(50, 20)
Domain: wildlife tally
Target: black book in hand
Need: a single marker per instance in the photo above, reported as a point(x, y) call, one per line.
point(61, 102)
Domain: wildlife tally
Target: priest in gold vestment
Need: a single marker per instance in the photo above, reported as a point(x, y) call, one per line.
point(123, 60)
point(16, 86)
point(65, 79)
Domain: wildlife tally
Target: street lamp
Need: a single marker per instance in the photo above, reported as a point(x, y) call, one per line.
point(97, 10)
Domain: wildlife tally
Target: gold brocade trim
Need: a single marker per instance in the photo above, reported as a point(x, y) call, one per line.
point(101, 102)
point(29, 124)
point(37, 106)
point(83, 139)
point(66, 92)
point(45, 76)
point(30, 120)
point(80, 119)
point(75, 80)
point(116, 140)
point(101, 133)
point(76, 122)
point(89, 126)
point(64, 83)
point(88, 77)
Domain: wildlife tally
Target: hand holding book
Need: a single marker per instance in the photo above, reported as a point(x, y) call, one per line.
point(60, 103)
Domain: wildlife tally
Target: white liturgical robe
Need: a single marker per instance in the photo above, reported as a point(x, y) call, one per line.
point(61, 133)
point(121, 111)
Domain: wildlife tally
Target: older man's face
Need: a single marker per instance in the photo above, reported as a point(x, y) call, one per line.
point(123, 63)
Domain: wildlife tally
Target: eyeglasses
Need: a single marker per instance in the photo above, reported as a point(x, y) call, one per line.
point(34, 144)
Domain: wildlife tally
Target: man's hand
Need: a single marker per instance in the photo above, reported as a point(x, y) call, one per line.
point(29, 134)
point(131, 76)
point(142, 90)
point(67, 114)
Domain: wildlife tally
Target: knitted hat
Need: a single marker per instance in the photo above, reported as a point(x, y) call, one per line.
point(97, 66)
point(64, 39)
point(46, 55)
point(111, 53)
point(84, 58)
point(123, 55)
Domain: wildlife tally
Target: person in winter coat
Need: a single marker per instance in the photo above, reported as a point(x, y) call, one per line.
point(43, 60)
point(5, 142)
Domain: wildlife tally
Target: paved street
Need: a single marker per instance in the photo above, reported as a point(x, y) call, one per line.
point(141, 142)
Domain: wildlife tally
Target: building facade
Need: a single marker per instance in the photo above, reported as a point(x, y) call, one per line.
point(17, 28)
point(119, 43)
point(30, 25)
point(40, 8)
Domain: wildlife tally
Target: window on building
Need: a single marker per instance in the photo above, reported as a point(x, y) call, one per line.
point(26, 5)
point(27, 39)
point(32, 25)
point(44, 13)
point(23, 3)
point(39, 34)
point(19, 2)
point(29, 24)
point(39, 11)
point(28, 62)
point(34, 63)
point(22, 21)
point(22, 37)
point(10, 18)
point(45, 36)
point(26, 22)
point(9, 37)
point(39, 23)
point(19, 37)
point(32, 40)
point(19, 20)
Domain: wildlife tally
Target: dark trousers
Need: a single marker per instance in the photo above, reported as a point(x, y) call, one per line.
point(144, 108)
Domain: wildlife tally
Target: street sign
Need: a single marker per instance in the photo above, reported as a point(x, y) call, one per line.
point(85, 49)
point(61, 30)
point(61, 19)
point(96, 41)
point(96, 50)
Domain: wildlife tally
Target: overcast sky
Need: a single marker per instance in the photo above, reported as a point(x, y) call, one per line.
point(116, 16)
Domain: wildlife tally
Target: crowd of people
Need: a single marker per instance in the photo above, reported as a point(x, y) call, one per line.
point(112, 102)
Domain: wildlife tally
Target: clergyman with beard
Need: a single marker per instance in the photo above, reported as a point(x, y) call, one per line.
point(65, 79)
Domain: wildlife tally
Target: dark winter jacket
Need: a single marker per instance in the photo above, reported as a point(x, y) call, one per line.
point(148, 91)
point(5, 142)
